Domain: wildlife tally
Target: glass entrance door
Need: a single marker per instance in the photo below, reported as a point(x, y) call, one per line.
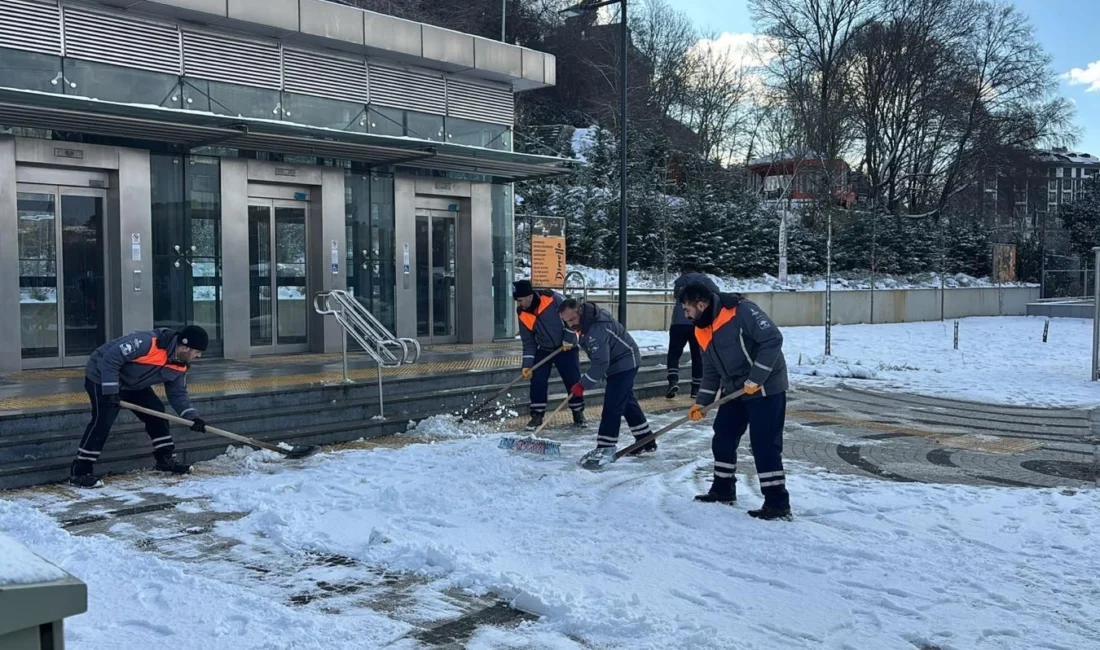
point(62, 292)
point(278, 294)
point(436, 290)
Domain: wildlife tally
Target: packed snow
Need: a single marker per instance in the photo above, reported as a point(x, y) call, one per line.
point(1000, 359)
point(618, 559)
point(20, 566)
point(844, 281)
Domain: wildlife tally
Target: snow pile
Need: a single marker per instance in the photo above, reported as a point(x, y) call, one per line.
point(436, 427)
point(823, 366)
point(19, 566)
point(1000, 359)
point(845, 281)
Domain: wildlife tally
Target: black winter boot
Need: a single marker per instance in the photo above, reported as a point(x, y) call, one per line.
point(768, 513)
point(673, 390)
point(578, 419)
point(535, 421)
point(715, 497)
point(87, 481)
point(171, 465)
point(722, 490)
point(647, 448)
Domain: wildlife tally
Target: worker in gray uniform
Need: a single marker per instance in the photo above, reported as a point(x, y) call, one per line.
point(614, 359)
point(127, 368)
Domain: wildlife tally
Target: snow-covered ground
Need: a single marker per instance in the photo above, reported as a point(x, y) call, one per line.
point(618, 559)
point(609, 279)
point(1000, 359)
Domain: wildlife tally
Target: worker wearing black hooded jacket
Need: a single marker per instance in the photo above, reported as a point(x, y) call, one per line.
point(742, 348)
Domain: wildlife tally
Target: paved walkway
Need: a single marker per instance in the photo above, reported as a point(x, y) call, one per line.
point(900, 437)
point(881, 436)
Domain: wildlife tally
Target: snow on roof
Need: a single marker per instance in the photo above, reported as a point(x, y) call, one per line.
point(1062, 155)
point(20, 566)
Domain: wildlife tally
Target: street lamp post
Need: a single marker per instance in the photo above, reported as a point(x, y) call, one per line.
point(580, 10)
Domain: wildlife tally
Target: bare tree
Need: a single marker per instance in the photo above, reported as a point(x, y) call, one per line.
point(715, 105)
point(813, 66)
point(1005, 104)
point(815, 50)
point(664, 36)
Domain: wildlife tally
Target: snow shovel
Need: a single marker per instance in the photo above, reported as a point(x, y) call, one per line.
point(295, 453)
point(506, 388)
point(533, 444)
point(594, 460)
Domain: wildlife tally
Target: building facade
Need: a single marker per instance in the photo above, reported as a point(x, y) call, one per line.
point(795, 181)
point(1029, 199)
point(220, 162)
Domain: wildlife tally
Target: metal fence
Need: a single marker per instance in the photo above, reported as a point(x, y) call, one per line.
point(1065, 276)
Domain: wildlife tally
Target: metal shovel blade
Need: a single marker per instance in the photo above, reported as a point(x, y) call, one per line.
point(302, 452)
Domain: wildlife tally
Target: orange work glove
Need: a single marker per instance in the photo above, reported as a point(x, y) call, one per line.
point(695, 413)
point(751, 388)
point(526, 372)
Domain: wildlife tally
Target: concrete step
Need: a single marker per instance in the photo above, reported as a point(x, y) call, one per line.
point(40, 451)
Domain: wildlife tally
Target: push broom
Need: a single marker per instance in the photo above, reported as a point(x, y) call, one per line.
point(532, 443)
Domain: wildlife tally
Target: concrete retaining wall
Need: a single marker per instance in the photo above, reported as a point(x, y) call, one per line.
point(790, 308)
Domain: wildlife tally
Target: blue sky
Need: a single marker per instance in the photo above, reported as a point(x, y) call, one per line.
point(1066, 28)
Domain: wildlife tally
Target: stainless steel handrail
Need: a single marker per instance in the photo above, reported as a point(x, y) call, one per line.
point(584, 284)
point(387, 350)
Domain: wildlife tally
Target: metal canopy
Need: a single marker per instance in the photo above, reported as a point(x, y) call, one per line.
point(19, 108)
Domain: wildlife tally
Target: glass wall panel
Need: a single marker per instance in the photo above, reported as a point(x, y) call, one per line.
point(424, 126)
point(386, 121)
point(327, 113)
point(113, 83)
point(504, 311)
point(30, 71)
point(478, 134)
point(383, 247)
point(231, 99)
point(186, 211)
point(370, 259)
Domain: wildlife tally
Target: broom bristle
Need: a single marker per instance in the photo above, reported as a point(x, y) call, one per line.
point(531, 445)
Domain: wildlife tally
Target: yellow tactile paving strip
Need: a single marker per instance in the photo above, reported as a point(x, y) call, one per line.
point(990, 444)
point(40, 375)
point(279, 381)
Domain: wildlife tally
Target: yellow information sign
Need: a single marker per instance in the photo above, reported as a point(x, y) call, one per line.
point(548, 251)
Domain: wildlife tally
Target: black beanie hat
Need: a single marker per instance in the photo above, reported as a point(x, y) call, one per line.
point(194, 337)
point(522, 289)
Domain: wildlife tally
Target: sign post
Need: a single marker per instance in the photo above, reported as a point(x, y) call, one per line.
point(548, 252)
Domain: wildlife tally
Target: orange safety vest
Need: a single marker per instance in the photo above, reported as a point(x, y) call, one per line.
point(158, 357)
point(704, 335)
point(528, 319)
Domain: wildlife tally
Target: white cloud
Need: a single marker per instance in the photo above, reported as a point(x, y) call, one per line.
point(743, 48)
point(1089, 76)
